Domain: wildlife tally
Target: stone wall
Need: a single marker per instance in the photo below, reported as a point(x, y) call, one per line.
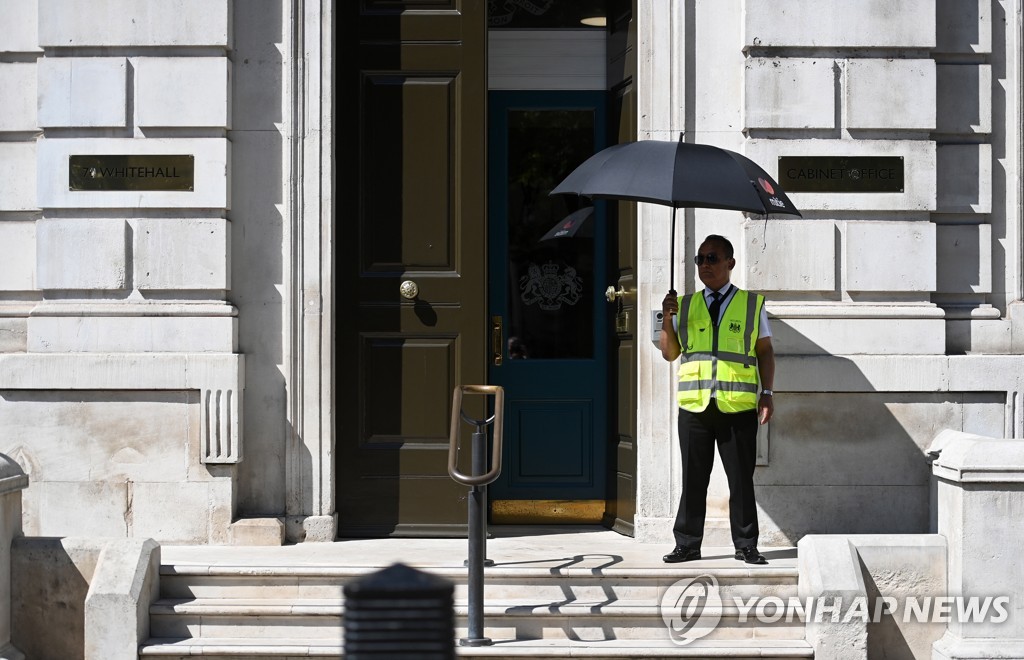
point(121, 389)
point(869, 292)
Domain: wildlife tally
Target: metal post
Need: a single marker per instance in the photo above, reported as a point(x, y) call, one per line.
point(477, 543)
point(477, 481)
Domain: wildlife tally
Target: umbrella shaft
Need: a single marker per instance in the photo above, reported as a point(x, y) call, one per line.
point(672, 254)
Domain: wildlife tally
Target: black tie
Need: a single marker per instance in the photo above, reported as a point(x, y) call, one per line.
point(716, 306)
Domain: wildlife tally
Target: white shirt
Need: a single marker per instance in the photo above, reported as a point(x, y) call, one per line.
point(764, 330)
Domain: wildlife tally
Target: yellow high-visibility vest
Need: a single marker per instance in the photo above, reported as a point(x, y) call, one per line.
point(723, 362)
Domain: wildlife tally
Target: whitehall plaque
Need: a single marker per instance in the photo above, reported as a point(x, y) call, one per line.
point(841, 174)
point(135, 173)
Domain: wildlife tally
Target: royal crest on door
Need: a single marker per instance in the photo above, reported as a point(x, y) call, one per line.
point(549, 286)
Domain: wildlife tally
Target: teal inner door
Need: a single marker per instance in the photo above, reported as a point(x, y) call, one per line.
point(550, 319)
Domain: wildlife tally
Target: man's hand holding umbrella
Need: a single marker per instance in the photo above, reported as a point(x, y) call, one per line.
point(669, 341)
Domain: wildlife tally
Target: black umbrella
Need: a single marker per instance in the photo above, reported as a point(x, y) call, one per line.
point(677, 174)
point(574, 224)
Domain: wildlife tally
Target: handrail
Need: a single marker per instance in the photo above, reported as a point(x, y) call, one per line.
point(453, 442)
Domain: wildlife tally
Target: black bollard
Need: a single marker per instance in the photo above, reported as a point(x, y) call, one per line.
point(399, 612)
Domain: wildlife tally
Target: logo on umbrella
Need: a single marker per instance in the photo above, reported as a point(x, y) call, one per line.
point(768, 188)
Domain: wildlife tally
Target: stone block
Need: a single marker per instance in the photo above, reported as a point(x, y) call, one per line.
point(963, 99)
point(789, 255)
point(13, 335)
point(258, 70)
point(787, 513)
point(83, 91)
point(964, 254)
point(135, 24)
point(12, 481)
point(979, 501)
point(918, 162)
point(212, 173)
point(99, 334)
point(904, 568)
point(51, 578)
point(789, 93)
point(81, 254)
point(839, 24)
point(18, 91)
point(182, 91)
point(831, 573)
point(888, 256)
point(100, 508)
point(112, 436)
point(963, 26)
point(222, 504)
point(964, 176)
point(257, 531)
point(21, 26)
point(992, 336)
point(149, 514)
point(182, 253)
point(18, 256)
point(125, 585)
point(320, 529)
point(867, 438)
point(18, 176)
point(890, 94)
point(858, 336)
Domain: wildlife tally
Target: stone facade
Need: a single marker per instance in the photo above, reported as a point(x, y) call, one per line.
point(122, 380)
point(887, 307)
point(125, 315)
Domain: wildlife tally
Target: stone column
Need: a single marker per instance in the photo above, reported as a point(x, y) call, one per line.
point(980, 506)
point(12, 481)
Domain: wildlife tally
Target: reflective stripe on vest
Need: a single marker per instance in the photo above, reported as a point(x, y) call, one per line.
point(724, 362)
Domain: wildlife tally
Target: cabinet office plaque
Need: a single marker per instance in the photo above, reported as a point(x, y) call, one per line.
point(132, 173)
point(841, 174)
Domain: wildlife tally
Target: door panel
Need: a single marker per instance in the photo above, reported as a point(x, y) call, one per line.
point(550, 296)
point(621, 506)
point(411, 207)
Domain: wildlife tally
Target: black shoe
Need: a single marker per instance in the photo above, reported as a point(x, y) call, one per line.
point(750, 555)
point(681, 554)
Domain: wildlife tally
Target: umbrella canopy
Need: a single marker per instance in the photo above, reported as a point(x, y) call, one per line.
point(574, 224)
point(680, 175)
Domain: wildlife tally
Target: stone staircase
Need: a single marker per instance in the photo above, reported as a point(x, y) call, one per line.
point(593, 605)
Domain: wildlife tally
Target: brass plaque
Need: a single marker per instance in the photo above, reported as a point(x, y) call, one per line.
point(841, 174)
point(141, 173)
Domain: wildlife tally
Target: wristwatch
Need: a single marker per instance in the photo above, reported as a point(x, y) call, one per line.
point(768, 392)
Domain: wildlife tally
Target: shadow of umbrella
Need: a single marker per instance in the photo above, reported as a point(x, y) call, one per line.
point(680, 175)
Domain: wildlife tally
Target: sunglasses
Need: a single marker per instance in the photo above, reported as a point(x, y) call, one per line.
point(711, 259)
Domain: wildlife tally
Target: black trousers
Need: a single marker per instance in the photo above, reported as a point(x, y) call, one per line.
point(736, 437)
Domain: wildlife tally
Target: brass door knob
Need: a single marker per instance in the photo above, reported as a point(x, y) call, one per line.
point(409, 290)
point(612, 294)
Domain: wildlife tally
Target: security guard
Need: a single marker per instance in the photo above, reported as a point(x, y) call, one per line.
point(726, 352)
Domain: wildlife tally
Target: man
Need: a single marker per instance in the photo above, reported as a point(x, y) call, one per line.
point(723, 336)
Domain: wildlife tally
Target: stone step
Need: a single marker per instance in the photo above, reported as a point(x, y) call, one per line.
point(502, 649)
point(543, 584)
point(539, 601)
point(527, 619)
